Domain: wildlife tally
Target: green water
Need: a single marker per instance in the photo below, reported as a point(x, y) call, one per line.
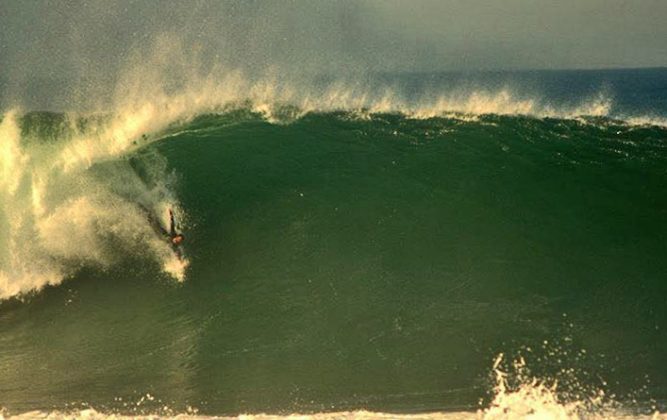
point(339, 262)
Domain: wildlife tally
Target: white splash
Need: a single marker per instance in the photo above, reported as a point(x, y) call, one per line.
point(56, 214)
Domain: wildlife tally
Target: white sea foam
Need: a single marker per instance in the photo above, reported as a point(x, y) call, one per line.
point(56, 214)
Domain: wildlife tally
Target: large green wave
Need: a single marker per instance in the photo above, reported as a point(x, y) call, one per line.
point(338, 260)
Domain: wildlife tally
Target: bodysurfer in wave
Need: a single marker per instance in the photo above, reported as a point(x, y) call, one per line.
point(175, 238)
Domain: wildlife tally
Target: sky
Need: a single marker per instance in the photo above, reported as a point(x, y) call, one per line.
point(415, 35)
point(96, 40)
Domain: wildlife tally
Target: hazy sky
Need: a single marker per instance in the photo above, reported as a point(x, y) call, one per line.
point(94, 38)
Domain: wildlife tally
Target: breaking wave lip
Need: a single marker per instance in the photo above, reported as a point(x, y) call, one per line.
point(283, 104)
point(58, 214)
point(272, 100)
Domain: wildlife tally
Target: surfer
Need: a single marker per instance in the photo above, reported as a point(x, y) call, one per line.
point(175, 237)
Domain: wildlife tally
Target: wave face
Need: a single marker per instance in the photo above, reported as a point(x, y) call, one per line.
point(344, 251)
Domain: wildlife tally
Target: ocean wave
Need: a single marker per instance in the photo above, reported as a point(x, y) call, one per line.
point(51, 195)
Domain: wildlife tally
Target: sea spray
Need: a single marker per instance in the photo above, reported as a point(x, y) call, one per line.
point(57, 214)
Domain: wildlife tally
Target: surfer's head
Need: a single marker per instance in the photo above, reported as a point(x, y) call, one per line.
point(177, 239)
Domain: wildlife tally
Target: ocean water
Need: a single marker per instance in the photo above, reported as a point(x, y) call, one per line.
point(411, 246)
